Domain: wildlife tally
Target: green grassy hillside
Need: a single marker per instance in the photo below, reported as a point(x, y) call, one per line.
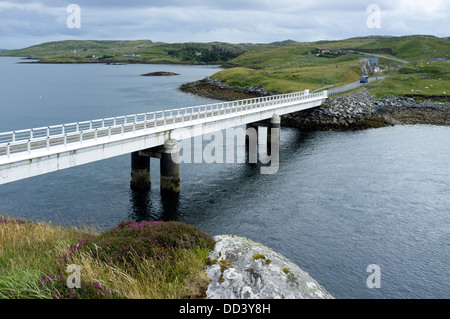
point(299, 66)
point(405, 47)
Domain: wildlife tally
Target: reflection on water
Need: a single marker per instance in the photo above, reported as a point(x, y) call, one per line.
point(143, 207)
point(170, 207)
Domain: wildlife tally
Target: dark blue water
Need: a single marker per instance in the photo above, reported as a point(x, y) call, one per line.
point(339, 202)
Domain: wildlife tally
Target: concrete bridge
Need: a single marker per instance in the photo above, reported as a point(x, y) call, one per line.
point(32, 152)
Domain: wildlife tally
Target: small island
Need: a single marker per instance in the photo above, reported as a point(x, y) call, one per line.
point(159, 73)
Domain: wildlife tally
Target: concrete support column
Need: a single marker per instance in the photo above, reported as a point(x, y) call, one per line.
point(170, 168)
point(140, 172)
point(273, 132)
point(250, 126)
point(251, 142)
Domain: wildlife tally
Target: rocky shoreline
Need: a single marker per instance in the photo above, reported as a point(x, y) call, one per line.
point(213, 89)
point(360, 111)
point(350, 112)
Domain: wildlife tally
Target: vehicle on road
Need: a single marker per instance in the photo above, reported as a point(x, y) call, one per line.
point(364, 79)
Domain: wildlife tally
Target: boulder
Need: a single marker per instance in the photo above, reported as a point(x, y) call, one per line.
point(242, 269)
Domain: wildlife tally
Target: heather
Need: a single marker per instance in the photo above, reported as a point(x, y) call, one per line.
point(132, 260)
point(130, 242)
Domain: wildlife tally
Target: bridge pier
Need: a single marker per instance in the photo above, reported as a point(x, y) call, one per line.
point(169, 155)
point(140, 172)
point(273, 133)
point(170, 168)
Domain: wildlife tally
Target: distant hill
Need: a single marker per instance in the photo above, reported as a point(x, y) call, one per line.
point(411, 47)
point(283, 43)
point(406, 47)
point(144, 51)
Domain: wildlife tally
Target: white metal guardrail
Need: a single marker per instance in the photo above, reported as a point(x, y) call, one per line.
point(28, 140)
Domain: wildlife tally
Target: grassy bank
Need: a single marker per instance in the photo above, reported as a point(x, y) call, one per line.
point(420, 78)
point(290, 79)
point(156, 260)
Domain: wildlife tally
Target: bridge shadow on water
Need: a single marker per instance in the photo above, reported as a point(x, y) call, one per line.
point(151, 205)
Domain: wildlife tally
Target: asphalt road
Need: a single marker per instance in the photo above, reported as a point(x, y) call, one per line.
point(385, 57)
point(352, 86)
point(355, 85)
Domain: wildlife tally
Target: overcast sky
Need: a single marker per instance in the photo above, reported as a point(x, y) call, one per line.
point(27, 22)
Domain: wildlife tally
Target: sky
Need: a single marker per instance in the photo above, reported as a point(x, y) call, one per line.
point(28, 22)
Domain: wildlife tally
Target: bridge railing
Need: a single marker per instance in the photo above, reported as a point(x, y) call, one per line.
point(79, 132)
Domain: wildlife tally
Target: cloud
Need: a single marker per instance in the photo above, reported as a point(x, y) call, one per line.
point(33, 21)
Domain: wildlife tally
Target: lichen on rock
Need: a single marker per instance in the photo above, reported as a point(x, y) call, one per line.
point(248, 275)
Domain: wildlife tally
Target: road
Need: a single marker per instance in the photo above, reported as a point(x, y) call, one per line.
point(352, 86)
point(355, 85)
point(384, 57)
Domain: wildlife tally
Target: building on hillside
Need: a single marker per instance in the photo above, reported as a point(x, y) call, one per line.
point(335, 51)
point(131, 55)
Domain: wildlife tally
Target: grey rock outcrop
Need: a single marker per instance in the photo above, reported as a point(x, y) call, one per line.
point(243, 269)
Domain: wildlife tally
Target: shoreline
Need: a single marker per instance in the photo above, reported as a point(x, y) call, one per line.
point(112, 62)
point(355, 111)
point(215, 90)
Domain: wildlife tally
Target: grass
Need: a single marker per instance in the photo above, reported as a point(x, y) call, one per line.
point(146, 260)
point(289, 80)
point(419, 78)
point(28, 251)
point(411, 47)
